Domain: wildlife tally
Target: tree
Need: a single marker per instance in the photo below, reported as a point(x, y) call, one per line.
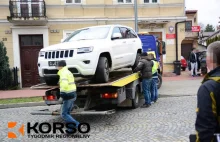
point(209, 28)
point(5, 72)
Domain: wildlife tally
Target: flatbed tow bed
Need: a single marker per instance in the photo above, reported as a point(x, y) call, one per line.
point(122, 90)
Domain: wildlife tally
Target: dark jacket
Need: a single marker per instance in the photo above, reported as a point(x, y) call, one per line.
point(192, 58)
point(208, 107)
point(145, 66)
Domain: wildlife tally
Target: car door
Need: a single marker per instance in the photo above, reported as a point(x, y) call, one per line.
point(127, 44)
point(117, 48)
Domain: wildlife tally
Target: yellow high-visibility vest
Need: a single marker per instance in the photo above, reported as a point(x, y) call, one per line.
point(67, 81)
point(154, 68)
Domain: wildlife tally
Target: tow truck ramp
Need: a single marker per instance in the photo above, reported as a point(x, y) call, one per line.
point(122, 89)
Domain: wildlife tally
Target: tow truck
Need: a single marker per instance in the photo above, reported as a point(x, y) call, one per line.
point(123, 89)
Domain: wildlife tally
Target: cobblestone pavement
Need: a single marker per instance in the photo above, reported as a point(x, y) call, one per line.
point(180, 88)
point(171, 119)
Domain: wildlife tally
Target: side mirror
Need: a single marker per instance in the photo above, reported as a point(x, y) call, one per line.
point(116, 36)
point(62, 40)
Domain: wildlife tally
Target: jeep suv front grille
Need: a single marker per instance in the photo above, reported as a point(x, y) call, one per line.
point(59, 54)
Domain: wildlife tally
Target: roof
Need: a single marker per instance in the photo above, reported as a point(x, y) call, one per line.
point(191, 11)
point(215, 33)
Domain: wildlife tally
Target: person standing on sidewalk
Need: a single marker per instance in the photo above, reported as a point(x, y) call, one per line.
point(67, 92)
point(154, 90)
point(145, 66)
point(208, 98)
point(193, 62)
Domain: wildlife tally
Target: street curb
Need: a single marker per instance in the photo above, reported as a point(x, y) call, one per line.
point(28, 104)
point(175, 95)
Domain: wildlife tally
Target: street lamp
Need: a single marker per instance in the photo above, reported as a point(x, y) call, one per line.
point(136, 16)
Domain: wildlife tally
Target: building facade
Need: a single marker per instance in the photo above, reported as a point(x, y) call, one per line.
point(191, 38)
point(26, 26)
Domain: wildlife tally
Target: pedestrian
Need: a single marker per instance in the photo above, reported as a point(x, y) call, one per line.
point(145, 66)
point(193, 62)
point(208, 98)
point(154, 90)
point(68, 93)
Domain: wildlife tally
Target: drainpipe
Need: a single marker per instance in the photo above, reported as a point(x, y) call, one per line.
point(176, 32)
point(136, 16)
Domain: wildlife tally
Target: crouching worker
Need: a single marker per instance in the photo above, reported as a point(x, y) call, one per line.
point(68, 93)
point(154, 90)
point(145, 66)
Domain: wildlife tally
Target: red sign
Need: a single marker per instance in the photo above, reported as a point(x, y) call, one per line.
point(195, 28)
point(170, 36)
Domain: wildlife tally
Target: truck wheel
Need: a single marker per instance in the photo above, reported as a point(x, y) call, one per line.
point(138, 57)
point(51, 81)
point(159, 83)
point(136, 100)
point(102, 71)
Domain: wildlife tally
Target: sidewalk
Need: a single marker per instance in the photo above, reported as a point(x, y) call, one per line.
point(26, 92)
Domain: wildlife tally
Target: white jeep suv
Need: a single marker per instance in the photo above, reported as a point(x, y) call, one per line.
point(92, 52)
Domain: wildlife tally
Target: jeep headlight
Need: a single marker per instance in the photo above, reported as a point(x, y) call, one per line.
point(84, 50)
point(41, 54)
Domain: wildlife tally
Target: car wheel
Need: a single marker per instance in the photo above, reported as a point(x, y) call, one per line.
point(159, 83)
point(136, 100)
point(51, 81)
point(102, 71)
point(183, 68)
point(138, 57)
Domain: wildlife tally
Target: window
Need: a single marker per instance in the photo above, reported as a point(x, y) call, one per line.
point(132, 34)
point(195, 20)
point(116, 30)
point(124, 1)
point(125, 32)
point(89, 34)
point(73, 1)
point(151, 1)
point(188, 26)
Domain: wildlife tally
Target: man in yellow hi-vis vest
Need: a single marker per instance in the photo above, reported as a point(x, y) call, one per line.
point(68, 93)
point(154, 90)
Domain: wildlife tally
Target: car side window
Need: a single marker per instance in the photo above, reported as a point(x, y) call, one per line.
point(116, 30)
point(132, 34)
point(125, 32)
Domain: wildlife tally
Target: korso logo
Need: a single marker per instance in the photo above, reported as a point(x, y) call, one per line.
point(171, 29)
point(43, 130)
point(12, 125)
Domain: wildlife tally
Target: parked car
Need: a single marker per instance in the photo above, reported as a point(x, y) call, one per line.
point(183, 63)
point(202, 62)
point(92, 52)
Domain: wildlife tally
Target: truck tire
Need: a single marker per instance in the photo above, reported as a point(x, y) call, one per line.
point(136, 100)
point(102, 71)
point(159, 83)
point(51, 81)
point(138, 57)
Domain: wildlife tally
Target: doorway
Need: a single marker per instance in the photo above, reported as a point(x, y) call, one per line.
point(30, 45)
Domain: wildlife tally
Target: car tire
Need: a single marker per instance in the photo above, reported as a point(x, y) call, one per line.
point(137, 59)
point(136, 100)
point(183, 68)
point(159, 83)
point(51, 81)
point(102, 71)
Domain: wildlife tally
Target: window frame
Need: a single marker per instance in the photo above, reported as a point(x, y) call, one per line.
point(186, 29)
point(151, 2)
point(124, 2)
point(74, 2)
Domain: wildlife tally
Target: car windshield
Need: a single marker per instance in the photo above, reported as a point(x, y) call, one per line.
point(89, 34)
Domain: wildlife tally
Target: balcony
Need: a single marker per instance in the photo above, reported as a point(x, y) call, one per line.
point(26, 12)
